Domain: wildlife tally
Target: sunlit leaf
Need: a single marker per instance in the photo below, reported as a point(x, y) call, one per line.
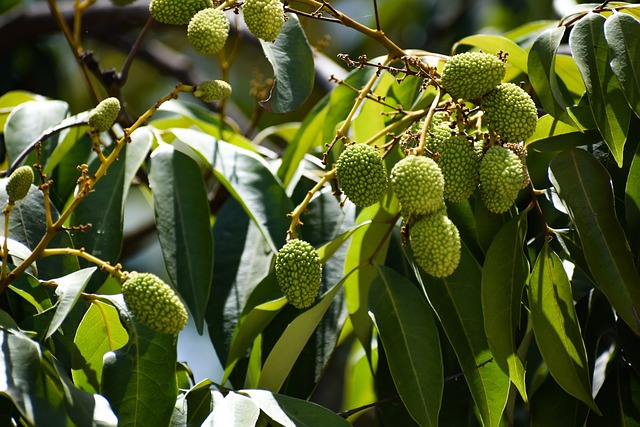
point(622, 32)
point(236, 410)
point(493, 44)
point(68, 291)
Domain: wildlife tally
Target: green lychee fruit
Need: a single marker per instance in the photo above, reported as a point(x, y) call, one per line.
point(419, 185)
point(459, 162)
point(208, 31)
point(264, 18)
point(299, 272)
point(212, 90)
point(521, 152)
point(154, 303)
point(500, 178)
point(361, 174)
point(19, 183)
point(105, 114)
point(176, 12)
point(436, 246)
point(471, 75)
point(510, 112)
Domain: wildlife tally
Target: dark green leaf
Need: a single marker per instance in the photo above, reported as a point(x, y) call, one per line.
point(182, 219)
point(542, 73)
point(292, 61)
point(504, 275)
point(610, 109)
point(68, 291)
point(411, 342)
point(139, 379)
point(632, 203)
point(585, 187)
point(552, 134)
point(458, 303)
point(288, 411)
point(551, 406)
point(199, 403)
point(556, 328)
point(623, 37)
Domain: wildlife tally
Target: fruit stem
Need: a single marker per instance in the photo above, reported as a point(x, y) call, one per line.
point(115, 270)
point(5, 246)
point(302, 207)
point(427, 121)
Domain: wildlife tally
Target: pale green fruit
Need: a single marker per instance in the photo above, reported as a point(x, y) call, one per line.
point(471, 75)
point(436, 246)
point(176, 12)
point(510, 112)
point(212, 90)
point(361, 174)
point(104, 115)
point(459, 163)
point(299, 272)
point(500, 178)
point(19, 183)
point(264, 18)
point(419, 185)
point(208, 31)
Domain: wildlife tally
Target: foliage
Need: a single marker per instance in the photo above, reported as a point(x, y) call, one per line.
point(540, 315)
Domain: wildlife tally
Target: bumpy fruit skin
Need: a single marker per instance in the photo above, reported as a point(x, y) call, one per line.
point(176, 12)
point(459, 163)
point(208, 31)
point(418, 184)
point(299, 272)
point(264, 18)
point(212, 90)
point(471, 75)
point(436, 246)
point(500, 178)
point(361, 174)
point(510, 112)
point(154, 303)
point(105, 114)
point(521, 151)
point(19, 183)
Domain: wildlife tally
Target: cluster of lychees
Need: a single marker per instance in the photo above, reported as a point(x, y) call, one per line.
point(453, 163)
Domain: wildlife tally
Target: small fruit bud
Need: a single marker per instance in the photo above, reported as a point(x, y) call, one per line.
point(104, 115)
point(212, 90)
point(19, 183)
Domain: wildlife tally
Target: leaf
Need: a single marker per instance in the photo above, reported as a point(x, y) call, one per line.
point(551, 406)
point(494, 44)
point(552, 134)
point(18, 253)
point(541, 66)
point(235, 410)
point(292, 61)
point(199, 402)
point(139, 379)
point(68, 291)
point(99, 331)
point(504, 275)
point(41, 391)
point(249, 180)
point(622, 31)
point(457, 303)
point(12, 99)
point(300, 412)
point(556, 328)
point(411, 342)
point(632, 203)
point(286, 351)
point(584, 186)
point(606, 97)
point(182, 219)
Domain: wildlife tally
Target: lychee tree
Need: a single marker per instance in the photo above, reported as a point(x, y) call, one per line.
point(456, 234)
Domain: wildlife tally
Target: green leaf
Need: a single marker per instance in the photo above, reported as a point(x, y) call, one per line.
point(411, 342)
point(457, 302)
point(622, 32)
point(286, 351)
point(19, 253)
point(370, 119)
point(493, 44)
point(40, 389)
point(292, 61)
point(199, 402)
point(504, 275)
point(68, 291)
point(249, 180)
point(235, 410)
point(99, 331)
point(551, 406)
point(12, 99)
point(182, 219)
point(556, 328)
point(139, 379)
point(584, 186)
point(552, 134)
point(67, 140)
point(632, 203)
point(136, 154)
point(288, 411)
point(542, 73)
point(606, 97)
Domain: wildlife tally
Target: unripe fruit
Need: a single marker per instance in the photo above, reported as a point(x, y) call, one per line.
point(471, 75)
point(19, 183)
point(176, 12)
point(510, 112)
point(459, 163)
point(212, 90)
point(361, 174)
point(208, 31)
point(264, 18)
point(104, 115)
point(418, 184)
point(500, 178)
point(436, 246)
point(521, 152)
point(154, 303)
point(299, 272)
